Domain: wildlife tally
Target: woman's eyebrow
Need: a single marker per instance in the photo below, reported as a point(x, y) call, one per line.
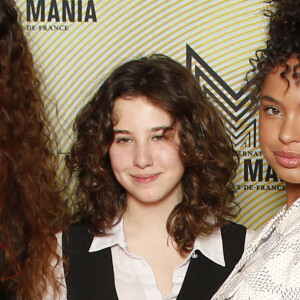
point(121, 131)
point(158, 128)
point(269, 98)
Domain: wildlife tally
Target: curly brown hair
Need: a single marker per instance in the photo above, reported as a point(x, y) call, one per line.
point(205, 149)
point(283, 41)
point(31, 211)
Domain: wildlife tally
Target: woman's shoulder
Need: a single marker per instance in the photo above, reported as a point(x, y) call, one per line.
point(233, 229)
point(78, 227)
point(77, 236)
point(234, 232)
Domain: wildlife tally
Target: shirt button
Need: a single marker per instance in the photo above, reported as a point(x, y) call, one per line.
point(194, 255)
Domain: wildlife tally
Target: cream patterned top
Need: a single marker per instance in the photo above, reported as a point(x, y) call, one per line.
point(270, 266)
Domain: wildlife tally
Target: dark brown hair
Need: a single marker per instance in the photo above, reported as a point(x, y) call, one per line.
point(205, 149)
point(31, 211)
point(283, 41)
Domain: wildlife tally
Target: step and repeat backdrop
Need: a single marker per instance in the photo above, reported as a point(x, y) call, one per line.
point(77, 43)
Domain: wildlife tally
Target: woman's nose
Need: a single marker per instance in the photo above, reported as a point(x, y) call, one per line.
point(289, 131)
point(143, 156)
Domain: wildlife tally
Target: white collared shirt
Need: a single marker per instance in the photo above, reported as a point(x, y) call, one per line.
point(270, 266)
point(134, 278)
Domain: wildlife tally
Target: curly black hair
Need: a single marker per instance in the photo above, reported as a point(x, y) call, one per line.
point(283, 41)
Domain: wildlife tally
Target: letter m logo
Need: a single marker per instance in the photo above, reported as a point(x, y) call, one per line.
point(235, 106)
point(37, 12)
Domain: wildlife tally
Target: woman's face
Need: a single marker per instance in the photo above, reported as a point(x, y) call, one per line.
point(144, 154)
point(279, 116)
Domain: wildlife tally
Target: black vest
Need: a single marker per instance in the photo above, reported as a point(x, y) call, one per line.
point(90, 274)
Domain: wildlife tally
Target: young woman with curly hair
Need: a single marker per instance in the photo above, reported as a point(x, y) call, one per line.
point(31, 211)
point(270, 266)
point(155, 169)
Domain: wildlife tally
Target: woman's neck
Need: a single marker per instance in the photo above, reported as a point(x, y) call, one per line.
point(147, 216)
point(292, 193)
point(147, 237)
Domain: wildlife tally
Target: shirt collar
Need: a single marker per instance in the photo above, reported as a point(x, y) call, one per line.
point(210, 246)
point(114, 236)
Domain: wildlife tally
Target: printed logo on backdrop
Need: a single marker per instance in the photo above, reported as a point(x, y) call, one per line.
point(241, 123)
point(53, 15)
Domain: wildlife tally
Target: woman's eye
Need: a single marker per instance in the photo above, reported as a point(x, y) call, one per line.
point(159, 137)
point(122, 140)
point(272, 111)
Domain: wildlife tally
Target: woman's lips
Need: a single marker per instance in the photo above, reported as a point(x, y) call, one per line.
point(287, 159)
point(147, 178)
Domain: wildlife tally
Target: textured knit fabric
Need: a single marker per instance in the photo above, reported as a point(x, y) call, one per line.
point(270, 266)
